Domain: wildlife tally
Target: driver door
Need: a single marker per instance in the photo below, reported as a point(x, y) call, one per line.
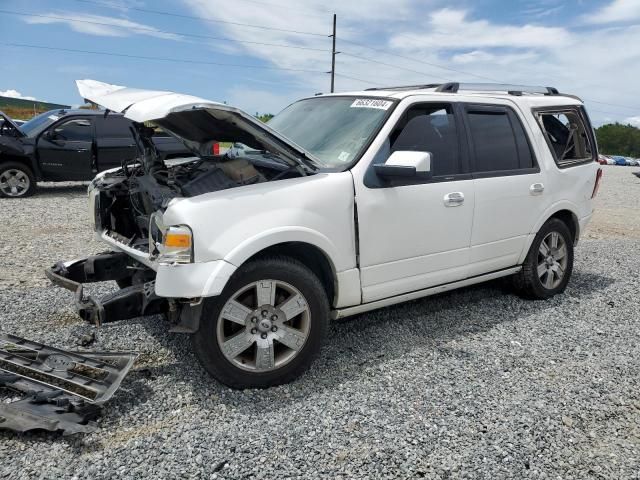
point(415, 233)
point(65, 150)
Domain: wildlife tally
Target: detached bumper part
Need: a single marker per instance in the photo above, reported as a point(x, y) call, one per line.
point(62, 390)
point(126, 303)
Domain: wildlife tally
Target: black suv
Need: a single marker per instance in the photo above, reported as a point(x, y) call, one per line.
point(62, 145)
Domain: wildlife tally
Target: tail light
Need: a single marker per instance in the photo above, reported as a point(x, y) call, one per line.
point(597, 184)
point(215, 149)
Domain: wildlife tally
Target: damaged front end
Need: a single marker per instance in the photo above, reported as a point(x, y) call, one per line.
point(61, 390)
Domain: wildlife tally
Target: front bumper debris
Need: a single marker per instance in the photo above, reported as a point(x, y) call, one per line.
point(130, 302)
point(62, 390)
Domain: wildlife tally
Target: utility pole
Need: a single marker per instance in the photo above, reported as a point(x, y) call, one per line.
point(333, 55)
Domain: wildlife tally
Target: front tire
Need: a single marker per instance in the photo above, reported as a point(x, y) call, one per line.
point(266, 327)
point(16, 180)
point(549, 263)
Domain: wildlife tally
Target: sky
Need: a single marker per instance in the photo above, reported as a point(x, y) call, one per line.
point(260, 55)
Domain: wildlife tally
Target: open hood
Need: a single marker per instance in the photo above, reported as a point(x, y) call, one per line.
point(5, 119)
point(195, 120)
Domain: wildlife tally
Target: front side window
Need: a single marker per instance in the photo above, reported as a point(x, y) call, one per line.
point(429, 128)
point(76, 130)
point(335, 130)
point(567, 136)
point(499, 140)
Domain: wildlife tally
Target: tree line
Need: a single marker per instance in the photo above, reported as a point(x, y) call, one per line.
point(619, 139)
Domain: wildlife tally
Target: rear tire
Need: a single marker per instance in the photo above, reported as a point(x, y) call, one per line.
point(16, 180)
point(549, 263)
point(266, 326)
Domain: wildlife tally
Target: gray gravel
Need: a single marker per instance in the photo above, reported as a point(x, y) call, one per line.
point(470, 384)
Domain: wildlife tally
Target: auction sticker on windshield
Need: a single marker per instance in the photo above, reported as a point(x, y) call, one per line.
point(371, 103)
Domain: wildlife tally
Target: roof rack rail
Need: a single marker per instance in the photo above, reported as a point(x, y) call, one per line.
point(455, 87)
point(405, 87)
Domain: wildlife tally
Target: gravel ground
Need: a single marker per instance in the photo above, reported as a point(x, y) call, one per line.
point(470, 384)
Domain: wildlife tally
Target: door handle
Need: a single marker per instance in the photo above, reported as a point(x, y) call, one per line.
point(454, 199)
point(80, 150)
point(536, 189)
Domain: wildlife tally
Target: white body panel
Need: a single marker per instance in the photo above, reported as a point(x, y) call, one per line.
point(407, 242)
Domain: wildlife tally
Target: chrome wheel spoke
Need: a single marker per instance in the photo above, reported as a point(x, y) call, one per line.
point(238, 344)
point(554, 240)
point(236, 312)
point(290, 337)
point(542, 269)
point(544, 248)
point(548, 283)
point(293, 306)
point(265, 356)
point(561, 252)
point(266, 292)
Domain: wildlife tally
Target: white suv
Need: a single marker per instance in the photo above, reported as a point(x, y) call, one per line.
point(342, 204)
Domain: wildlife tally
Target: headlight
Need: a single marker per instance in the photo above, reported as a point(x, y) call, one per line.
point(176, 245)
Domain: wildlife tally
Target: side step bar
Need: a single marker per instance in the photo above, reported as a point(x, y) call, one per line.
point(130, 302)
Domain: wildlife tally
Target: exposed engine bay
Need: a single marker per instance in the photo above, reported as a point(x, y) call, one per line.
point(129, 196)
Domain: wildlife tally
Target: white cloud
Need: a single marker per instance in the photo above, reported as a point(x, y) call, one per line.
point(451, 29)
point(616, 11)
point(15, 94)
point(100, 25)
point(587, 62)
point(635, 121)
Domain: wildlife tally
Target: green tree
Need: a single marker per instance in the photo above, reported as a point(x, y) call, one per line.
point(264, 117)
point(618, 139)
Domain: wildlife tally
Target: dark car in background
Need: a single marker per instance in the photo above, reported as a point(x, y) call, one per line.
point(63, 145)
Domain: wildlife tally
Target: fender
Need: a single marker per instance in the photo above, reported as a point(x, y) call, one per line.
point(548, 213)
point(275, 236)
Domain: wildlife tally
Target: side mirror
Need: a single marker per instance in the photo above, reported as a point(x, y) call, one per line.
point(405, 164)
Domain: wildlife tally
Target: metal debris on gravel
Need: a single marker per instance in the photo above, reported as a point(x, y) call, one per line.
point(475, 383)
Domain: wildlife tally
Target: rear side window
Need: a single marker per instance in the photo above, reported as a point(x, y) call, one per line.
point(567, 136)
point(499, 140)
point(115, 126)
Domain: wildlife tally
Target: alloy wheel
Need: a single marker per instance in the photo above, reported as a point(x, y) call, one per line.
point(14, 182)
point(264, 325)
point(552, 260)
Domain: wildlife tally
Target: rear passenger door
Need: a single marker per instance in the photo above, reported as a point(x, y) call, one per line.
point(114, 141)
point(509, 186)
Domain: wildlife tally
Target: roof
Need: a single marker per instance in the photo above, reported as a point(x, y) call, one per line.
point(533, 96)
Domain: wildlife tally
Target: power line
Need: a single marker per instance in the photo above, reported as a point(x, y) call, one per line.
point(155, 30)
point(204, 19)
point(163, 59)
point(368, 82)
point(391, 65)
point(419, 61)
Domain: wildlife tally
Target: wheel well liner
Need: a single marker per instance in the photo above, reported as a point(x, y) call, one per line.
point(310, 256)
point(571, 221)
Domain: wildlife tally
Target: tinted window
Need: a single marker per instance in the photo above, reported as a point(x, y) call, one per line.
point(78, 129)
point(499, 140)
point(115, 126)
point(430, 128)
point(567, 136)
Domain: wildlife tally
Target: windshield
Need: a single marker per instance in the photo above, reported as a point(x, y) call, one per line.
point(39, 123)
point(334, 130)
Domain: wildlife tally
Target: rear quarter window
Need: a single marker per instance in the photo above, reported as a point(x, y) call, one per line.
point(570, 141)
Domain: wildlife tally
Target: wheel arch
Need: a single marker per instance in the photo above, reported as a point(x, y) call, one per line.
point(25, 160)
point(564, 211)
point(311, 256)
